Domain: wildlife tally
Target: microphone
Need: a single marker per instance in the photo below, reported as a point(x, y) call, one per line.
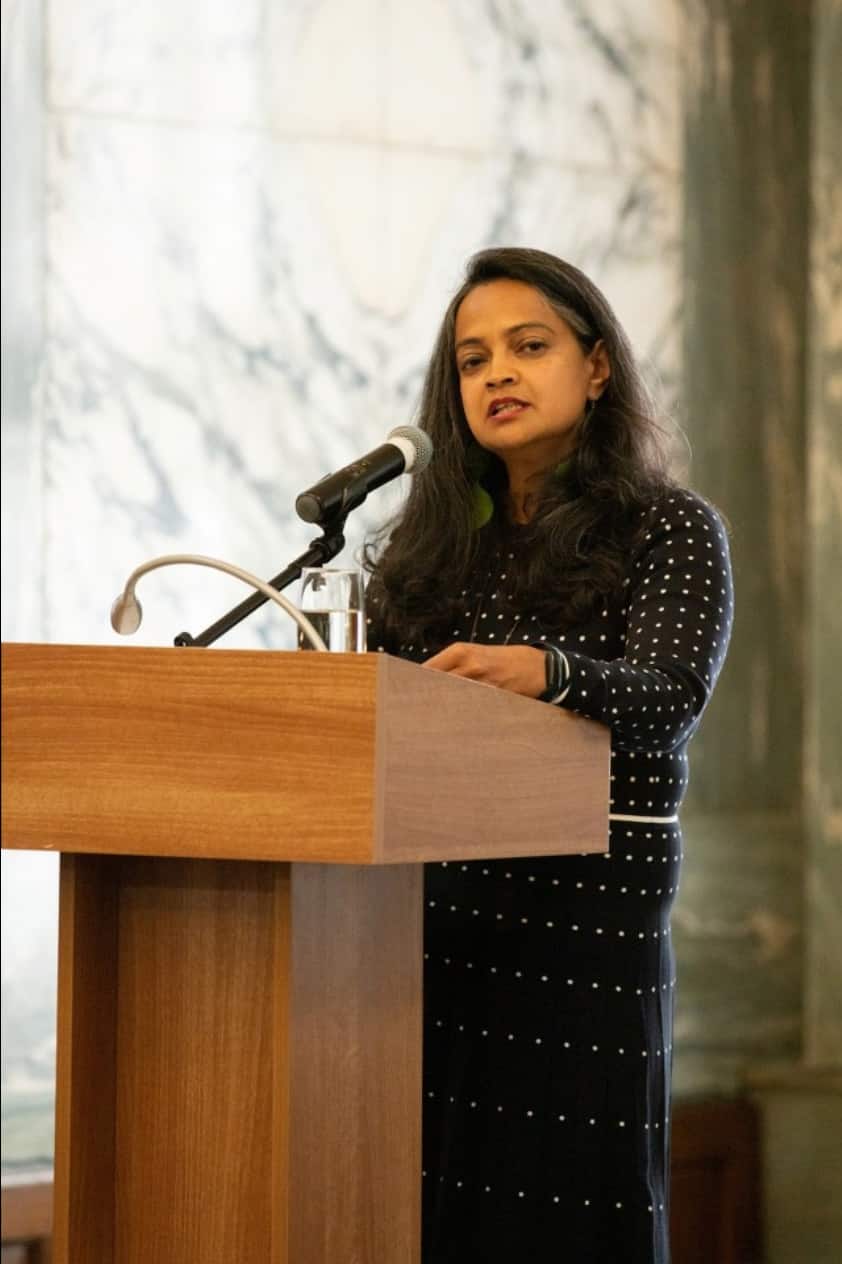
point(127, 612)
point(407, 449)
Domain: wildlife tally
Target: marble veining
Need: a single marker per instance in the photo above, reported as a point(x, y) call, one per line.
point(269, 308)
point(254, 217)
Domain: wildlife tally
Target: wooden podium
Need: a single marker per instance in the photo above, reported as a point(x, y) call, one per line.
point(240, 940)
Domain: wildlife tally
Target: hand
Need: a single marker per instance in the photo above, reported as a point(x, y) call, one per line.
point(520, 668)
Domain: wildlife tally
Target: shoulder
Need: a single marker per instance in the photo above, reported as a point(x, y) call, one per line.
point(680, 509)
point(681, 528)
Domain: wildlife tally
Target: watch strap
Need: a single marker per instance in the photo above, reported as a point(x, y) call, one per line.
point(557, 673)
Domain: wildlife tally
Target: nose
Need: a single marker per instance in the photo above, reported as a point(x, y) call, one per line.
point(500, 372)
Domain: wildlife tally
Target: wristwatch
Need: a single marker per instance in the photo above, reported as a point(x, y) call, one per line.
point(555, 665)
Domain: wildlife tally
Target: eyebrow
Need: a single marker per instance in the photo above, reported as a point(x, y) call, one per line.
point(513, 329)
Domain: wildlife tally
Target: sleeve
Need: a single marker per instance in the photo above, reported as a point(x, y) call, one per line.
point(679, 614)
point(377, 639)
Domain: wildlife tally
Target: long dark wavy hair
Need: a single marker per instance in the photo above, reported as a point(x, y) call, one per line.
point(574, 552)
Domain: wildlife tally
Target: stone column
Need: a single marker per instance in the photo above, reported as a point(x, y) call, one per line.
point(823, 692)
point(746, 161)
point(761, 927)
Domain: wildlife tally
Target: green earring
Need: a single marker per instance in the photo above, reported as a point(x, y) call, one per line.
point(482, 502)
point(482, 506)
point(477, 463)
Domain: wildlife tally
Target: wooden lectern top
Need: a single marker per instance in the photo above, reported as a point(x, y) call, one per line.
point(337, 758)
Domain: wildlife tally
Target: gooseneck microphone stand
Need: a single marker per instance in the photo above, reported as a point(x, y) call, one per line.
point(319, 553)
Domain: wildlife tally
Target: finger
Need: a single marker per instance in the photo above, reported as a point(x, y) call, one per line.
point(447, 659)
point(467, 667)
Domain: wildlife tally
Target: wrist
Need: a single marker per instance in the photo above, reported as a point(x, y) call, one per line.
point(557, 674)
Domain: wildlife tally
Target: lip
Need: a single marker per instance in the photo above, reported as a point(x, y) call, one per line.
point(498, 407)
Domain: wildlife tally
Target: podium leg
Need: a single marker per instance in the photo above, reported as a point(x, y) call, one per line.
point(239, 1066)
point(83, 1184)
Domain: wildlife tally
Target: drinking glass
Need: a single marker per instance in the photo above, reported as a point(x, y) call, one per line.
point(334, 602)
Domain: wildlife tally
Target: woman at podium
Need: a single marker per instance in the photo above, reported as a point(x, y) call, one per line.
point(547, 550)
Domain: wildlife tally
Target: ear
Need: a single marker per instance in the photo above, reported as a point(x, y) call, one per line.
point(600, 370)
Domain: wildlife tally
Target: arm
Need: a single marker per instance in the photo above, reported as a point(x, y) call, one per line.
point(377, 640)
point(679, 615)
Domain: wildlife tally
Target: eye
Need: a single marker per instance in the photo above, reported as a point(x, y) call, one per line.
point(470, 363)
point(532, 345)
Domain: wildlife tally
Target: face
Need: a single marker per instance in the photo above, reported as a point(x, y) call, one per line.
point(524, 378)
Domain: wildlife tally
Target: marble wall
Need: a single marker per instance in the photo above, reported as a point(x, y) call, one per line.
point(247, 219)
point(29, 890)
point(228, 234)
point(254, 215)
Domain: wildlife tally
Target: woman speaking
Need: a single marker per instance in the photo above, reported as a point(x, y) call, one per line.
point(546, 550)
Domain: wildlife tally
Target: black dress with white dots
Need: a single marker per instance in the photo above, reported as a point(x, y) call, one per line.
point(549, 983)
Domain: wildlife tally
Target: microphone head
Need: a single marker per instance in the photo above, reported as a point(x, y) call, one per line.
point(421, 443)
point(126, 614)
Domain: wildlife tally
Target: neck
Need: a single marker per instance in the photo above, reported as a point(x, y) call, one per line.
point(521, 504)
point(525, 489)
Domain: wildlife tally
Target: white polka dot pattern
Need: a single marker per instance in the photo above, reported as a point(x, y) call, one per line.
point(678, 614)
point(549, 982)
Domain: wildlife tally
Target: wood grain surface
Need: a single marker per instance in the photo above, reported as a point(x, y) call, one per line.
point(467, 771)
point(86, 1059)
point(188, 752)
point(355, 1122)
point(240, 1063)
point(194, 1118)
point(348, 758)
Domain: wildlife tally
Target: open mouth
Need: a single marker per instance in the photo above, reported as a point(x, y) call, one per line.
point(502, 408)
